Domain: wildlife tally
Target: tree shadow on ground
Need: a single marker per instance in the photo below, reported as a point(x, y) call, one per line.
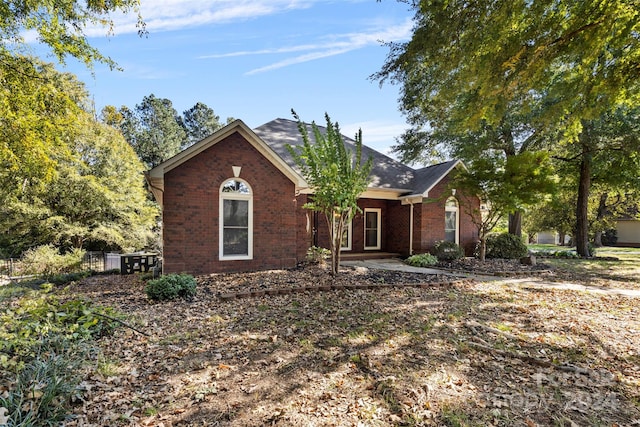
point(389, 356)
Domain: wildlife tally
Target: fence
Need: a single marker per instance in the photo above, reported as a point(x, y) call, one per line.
point(96, 261)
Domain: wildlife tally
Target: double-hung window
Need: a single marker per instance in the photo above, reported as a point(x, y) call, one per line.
point(451, 219)
point(236, 220)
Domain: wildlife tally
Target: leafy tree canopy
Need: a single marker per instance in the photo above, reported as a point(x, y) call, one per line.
point(504, 184)
point(69, 180)
point(154, 129)
point(200, 121)
point(39, 108)
point(471, 62)
point(61, 25)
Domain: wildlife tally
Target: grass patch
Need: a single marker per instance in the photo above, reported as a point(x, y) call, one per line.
point(625, 268)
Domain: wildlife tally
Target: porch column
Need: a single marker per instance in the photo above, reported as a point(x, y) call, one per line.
point(411, 227)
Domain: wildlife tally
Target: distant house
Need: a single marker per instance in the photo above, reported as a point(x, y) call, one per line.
point(628, 232)
point(233, 202)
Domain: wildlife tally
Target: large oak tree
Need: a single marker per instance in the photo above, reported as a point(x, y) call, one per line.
point(556, 64)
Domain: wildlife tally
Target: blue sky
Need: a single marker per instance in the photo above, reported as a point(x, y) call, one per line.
point(255, 60)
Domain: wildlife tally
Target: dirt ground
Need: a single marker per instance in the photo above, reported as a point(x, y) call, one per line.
point(368, 348)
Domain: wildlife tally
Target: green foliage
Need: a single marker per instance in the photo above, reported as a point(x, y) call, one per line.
point(545, 84)
point(448, 251)
point(171, 286)
point(46, 261)
point(154, 129)
point(37, 317)
point(317, 255)
point(505, 185)
point(60, 25)
point(422, 260)
point(43, 343)
point(42, 391)
point(473, 62)
point(336, 174)
point(63, 279)
point(507, 246)
point(563, 254)
point(38, 113)
point(199, 121)
point(66, 179)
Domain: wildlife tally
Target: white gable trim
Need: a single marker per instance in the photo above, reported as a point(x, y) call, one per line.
point(413, 198)
point(155, 177)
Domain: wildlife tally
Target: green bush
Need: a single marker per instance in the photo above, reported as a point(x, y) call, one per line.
point(421, 260)
point(448, 251)
point(171, 287)
point(505, 245)
point(47, 261)
point(317, 255)
point(33, 317)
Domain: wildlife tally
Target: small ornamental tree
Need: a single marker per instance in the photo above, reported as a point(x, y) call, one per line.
point(337, 175)
point(505, 185)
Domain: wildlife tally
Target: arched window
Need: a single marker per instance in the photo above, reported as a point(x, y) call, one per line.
point(451, 220)
point(236, 220)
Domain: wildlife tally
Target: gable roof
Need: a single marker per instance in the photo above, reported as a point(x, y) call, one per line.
point(389, 178)
point(387, 173)
point(155, 176)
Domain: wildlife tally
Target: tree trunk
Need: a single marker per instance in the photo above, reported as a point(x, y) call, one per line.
point(515, 223)
point(582, 220)
point(483, 249)
point(602, 213)
point(597, 239)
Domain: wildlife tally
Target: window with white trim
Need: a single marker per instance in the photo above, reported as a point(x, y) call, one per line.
point(236, 220)
point(372, 221)
point(451, 220)
point(345, 240)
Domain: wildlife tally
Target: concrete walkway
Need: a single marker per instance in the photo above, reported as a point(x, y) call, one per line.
point(528, 282)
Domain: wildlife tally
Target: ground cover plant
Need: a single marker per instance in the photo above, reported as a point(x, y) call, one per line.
point(44, 342)
point(463, 353)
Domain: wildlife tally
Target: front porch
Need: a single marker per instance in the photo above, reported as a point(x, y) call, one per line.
point(360, 256)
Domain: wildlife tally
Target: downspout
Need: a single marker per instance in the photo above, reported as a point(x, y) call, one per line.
point(411, 227)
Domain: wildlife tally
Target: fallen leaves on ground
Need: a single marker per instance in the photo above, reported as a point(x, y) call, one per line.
point(452, 354)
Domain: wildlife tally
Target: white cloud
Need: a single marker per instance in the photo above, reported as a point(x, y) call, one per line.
point(334, 45)
point(166, 15)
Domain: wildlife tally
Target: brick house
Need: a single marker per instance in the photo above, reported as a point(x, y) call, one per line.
point(250, 177)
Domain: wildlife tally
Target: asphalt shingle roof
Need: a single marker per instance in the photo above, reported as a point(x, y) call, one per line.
point(387, 173)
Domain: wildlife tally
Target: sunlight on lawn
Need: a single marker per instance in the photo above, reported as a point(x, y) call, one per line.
point(626, 268)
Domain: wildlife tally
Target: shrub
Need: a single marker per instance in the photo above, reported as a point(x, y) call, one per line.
point(47, 261)
point(171, 287)
point(448, 251)
point(505, 245)
point(317, 255)
point(421, 260)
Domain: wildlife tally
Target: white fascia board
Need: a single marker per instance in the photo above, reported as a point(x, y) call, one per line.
point(457, 163)
point(155, 177)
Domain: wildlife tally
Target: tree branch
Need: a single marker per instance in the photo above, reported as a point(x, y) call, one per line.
point(122, 323)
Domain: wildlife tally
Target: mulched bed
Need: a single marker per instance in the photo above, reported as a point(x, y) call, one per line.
point(311, 278)
point(494, 267)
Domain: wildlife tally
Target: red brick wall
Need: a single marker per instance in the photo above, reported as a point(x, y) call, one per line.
point(191, 205)
point(431, 223)
point(357, 232)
